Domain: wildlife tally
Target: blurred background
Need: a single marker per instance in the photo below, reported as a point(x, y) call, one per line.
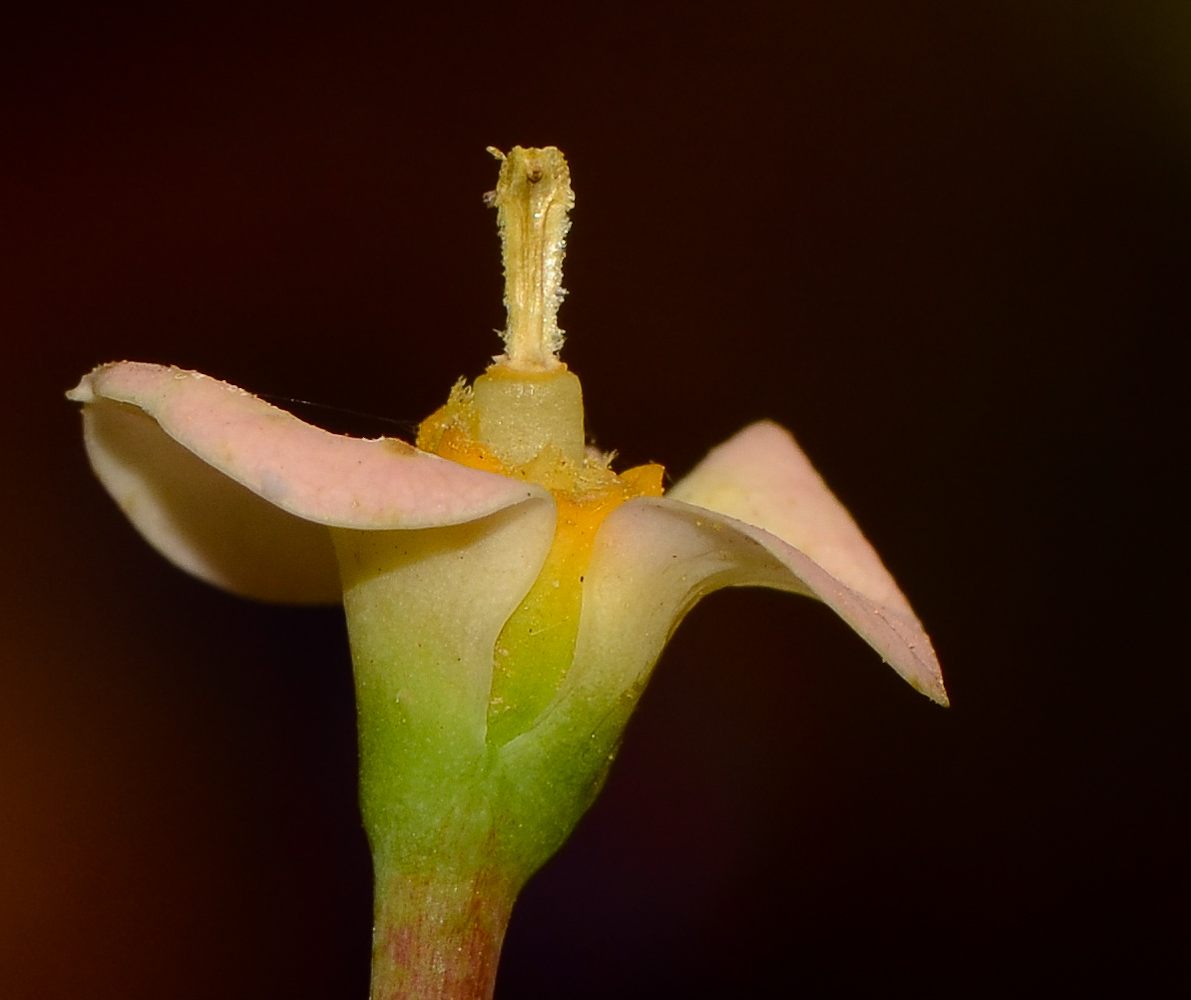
point(945, 243)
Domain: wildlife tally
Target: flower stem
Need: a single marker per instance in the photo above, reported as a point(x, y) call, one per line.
point(438, 938)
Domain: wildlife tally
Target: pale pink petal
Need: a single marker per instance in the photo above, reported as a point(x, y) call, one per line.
point(236, 491)
point(654, 558)
point(762, 477)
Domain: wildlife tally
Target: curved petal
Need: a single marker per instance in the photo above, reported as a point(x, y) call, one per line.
point(654, 558)
point(237, 492)
point(762, 477)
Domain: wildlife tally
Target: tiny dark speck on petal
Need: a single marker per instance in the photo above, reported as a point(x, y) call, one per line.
point(533, 174)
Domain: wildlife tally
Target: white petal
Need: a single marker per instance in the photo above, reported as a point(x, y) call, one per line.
point(762, 477)
point(237, 491)
point(424, 612)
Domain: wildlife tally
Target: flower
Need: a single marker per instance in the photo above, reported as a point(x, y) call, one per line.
point(507, 594)
point(240, 494)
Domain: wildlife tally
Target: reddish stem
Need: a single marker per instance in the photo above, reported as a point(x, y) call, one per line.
point(438, 937)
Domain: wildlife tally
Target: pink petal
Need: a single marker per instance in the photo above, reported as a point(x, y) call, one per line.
point(654, 558)
point(762, 477)
point(236, 491)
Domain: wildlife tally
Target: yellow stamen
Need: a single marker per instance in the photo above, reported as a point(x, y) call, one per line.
point(533, 196)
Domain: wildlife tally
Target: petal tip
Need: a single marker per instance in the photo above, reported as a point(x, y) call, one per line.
point(932, 687)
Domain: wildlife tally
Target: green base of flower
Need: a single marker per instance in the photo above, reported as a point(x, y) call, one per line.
point(460, 812)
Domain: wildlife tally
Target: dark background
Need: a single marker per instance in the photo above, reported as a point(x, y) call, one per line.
point(945, 242)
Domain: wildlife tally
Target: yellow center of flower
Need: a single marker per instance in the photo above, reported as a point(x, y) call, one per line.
point(524, 418)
